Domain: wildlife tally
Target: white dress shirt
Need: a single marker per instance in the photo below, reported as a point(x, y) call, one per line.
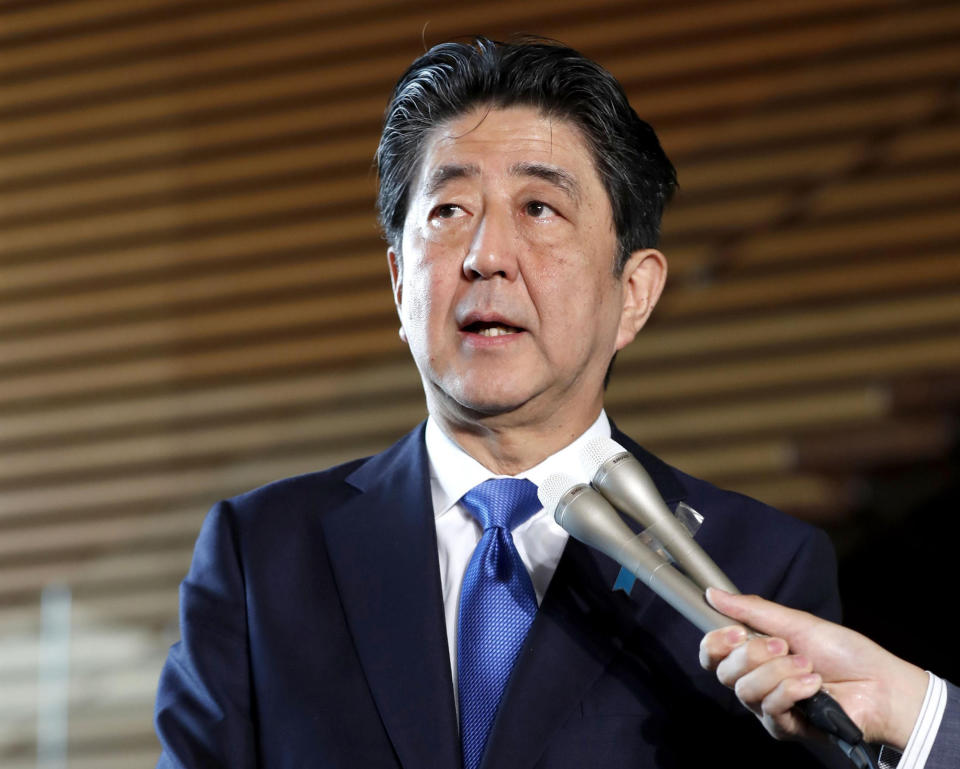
point(539, 539)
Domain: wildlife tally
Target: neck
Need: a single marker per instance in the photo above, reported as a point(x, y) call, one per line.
point(507, 447)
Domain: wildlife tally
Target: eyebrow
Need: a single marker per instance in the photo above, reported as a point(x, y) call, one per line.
point(558, 177)
point(447, 173)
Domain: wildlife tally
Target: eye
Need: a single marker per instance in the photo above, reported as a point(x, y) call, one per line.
point(447, 211)
point(538, 209)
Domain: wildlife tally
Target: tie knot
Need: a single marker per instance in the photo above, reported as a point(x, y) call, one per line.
point(502, 502)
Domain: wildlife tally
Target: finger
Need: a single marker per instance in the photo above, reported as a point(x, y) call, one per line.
point(787, 726)
point(779, 716)
point(749, 656)
point(760, 614)
point(759, 685)
point(717, 644)
point(789, 692)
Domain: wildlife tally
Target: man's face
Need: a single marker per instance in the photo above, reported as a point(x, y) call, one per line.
point(507, 296)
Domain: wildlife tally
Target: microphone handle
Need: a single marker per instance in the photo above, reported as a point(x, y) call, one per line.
point(670, 584)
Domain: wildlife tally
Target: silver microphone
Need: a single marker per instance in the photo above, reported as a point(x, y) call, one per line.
point(588, 517)
point(616, 474)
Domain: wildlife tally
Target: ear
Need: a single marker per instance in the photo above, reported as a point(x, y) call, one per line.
point(643, 278)
point(396, 281)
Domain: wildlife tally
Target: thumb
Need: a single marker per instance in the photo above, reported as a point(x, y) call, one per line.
point(757, 613)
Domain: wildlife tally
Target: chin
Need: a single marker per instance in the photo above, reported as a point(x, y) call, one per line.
point(489, 407)
point(484, 402)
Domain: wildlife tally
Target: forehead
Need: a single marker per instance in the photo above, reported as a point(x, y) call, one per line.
point(495, 140)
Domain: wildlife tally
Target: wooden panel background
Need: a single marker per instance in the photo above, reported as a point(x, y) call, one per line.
point(194, 300)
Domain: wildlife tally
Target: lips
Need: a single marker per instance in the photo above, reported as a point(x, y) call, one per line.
point(491, 329)
point(488, 325)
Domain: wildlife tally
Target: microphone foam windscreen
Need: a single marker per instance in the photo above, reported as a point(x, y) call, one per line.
point(552, 489)
point(598, 451)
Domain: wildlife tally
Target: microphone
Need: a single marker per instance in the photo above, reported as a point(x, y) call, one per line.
point(589, 517)
point(616, 474)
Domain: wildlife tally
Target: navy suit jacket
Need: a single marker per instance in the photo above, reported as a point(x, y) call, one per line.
point(945, 753)
point(313, 635)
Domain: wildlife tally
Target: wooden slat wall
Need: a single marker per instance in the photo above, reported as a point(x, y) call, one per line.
point(194, 301)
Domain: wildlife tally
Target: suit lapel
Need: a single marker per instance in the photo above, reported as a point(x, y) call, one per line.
point(383, 551)
point(579, 629)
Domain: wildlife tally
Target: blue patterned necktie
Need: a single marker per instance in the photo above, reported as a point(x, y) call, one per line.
point(497, 605)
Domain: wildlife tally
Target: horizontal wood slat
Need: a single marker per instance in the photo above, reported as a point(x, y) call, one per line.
point(884, 235)
point(184, 24)
point(30, 543)
point(886, 272)
point(164, 220)
point(240, 287)
point(792, 124)
point(300, 241)
point(264, 169)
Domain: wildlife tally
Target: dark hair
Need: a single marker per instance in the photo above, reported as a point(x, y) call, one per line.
point(451, 78)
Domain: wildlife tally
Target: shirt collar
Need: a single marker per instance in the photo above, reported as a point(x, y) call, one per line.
point(453, 472)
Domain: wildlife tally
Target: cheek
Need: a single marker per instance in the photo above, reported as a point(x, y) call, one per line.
point(551, 238)
point(569, 285)
point(428, 294)
point(579, 306)
point(417, 299)
point(563, 307)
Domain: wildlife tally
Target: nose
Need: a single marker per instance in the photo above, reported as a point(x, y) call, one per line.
point(493, 250)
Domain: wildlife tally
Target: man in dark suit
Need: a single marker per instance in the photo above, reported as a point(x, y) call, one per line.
point(323, 617)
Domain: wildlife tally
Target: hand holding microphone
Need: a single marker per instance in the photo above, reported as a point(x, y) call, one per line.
point(882, 691)
point(589, 517)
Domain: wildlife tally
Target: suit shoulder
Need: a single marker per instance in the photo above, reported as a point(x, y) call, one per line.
point(282, 508)
point(288, 495)
point(740, 509)
point(766, 551)
point(676, 486)
point(730, 508)
point(762, 549)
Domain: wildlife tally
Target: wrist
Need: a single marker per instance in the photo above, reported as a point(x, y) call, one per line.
point(904, 695)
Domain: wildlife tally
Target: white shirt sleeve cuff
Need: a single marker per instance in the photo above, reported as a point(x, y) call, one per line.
point(928, 724)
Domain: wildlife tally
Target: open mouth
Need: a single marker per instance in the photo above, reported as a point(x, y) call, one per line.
point(490, 329)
